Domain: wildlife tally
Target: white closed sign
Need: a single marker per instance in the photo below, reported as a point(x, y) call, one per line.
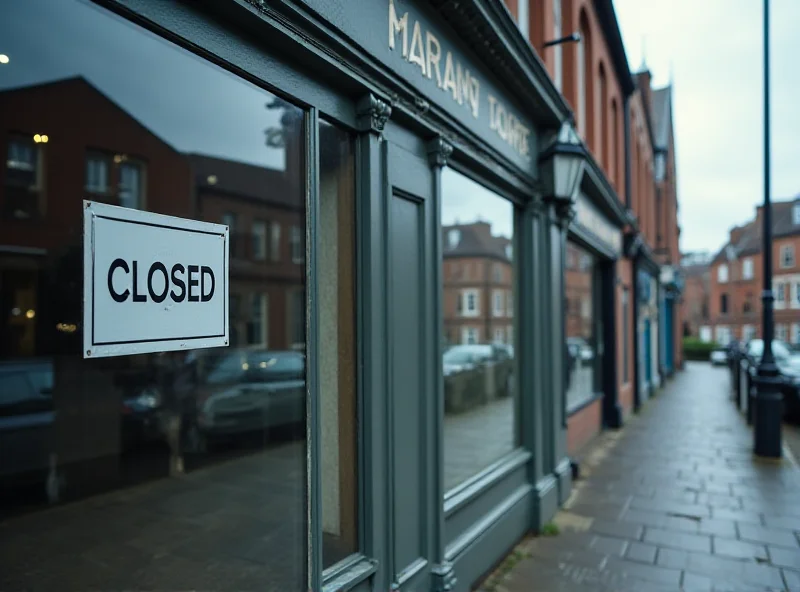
point(152, 282)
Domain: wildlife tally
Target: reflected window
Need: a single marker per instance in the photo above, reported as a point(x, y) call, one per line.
point(583, 328)
point(97, 173)
point(259, 240)
point(275, 241)
point(297, 246)
point(130, 185)
point(478, 362)
point(22, 176)
point(337, 351)
point(161, 471)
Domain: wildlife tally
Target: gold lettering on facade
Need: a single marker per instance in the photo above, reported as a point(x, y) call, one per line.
point(434, 51)
point(450, 76)
point(457, 80)
point(398, 26)
point(508, 127)
point(417, 53)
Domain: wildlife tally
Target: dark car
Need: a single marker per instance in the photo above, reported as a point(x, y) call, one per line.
point(27, 419)
point(788, 364)
point(248, 391)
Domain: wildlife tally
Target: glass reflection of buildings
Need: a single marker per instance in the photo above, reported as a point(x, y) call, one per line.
point(65, 141)
point(477, 290)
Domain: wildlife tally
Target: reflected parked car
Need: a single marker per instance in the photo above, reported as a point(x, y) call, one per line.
point(718, 357)
point(788, 364)
point(27, 420)
point(248, 391)
point(474, 374)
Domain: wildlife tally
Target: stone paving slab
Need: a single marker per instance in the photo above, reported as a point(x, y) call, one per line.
point(674, 501)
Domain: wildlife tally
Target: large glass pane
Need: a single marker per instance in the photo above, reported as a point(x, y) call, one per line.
point(478, 293)
point(584, 342)
point(337, 351)
point(177, 471)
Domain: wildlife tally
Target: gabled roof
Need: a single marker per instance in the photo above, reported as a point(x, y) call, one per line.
point(77, 81)
point(474, 240)
point(750, 240)
point(242, 179)
point(662, 116)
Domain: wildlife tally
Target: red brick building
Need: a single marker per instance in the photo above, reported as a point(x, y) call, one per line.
point(696, 302)
point(628, 129)
point(477, 290)
point(736, 278)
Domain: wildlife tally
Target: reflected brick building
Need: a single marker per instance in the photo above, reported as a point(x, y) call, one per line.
point(66, 141)
point(477, 290)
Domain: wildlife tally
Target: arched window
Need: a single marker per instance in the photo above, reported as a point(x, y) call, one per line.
point(583, 68)
point(613, 147)
point(602, 149)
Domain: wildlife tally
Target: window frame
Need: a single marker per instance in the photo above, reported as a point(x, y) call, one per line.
point(723, 274)
point(747, 268)
point(787, 256)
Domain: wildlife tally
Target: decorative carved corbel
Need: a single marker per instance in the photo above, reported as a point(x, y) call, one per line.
point(439, 150)
point(563, 210)
point(372, 114)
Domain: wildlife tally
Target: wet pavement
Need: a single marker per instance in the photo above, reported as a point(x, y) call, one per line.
point(674, 501)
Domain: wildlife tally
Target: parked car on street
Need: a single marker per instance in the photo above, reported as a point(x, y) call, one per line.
point(719, 357)
point(788, 364)
point(474, 374)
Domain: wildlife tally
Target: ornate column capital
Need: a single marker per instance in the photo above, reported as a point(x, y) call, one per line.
point(563, 210)
point(372, 114)
point(439, 150)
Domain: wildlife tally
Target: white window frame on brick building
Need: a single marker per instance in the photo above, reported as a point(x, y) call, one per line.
point(747, 268)
point(779, 290)
point(498, 301)
point(794, 293)
point(469, 335)
point(780, 332)
point(795, 333)
point(787, 256)
point(499, 335)
point(470, 303)
point(722, 273)
point(748, 332)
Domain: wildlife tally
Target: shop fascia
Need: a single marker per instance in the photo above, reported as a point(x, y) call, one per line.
point(422, 48)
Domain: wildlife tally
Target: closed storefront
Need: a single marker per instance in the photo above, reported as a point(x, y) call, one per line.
point(283, 294)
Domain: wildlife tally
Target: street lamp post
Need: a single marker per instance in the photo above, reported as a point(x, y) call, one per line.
point(768, 403)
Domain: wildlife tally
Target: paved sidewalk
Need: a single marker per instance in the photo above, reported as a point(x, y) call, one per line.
point(674, 501)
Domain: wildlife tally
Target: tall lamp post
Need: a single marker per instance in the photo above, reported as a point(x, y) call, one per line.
point(768, 403)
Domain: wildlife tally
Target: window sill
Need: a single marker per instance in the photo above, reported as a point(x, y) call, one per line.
point(583, 404)
point(348, 573)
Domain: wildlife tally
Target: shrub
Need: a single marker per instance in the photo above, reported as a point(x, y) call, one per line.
point(694, 349)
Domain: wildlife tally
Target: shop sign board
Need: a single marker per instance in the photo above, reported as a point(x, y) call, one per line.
point(152, 283)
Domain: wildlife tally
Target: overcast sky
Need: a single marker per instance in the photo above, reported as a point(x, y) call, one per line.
point(714, 50)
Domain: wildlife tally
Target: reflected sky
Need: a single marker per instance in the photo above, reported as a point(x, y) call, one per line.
point(465, 201)
point(166, 88)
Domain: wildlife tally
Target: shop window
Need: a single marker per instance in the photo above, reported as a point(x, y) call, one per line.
point(258, 235)
point(337, 350)
point(479, 372)
point(787, 256)
point(182, 469)
point(297, 244)
point(23, 177)
point(583, 329)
